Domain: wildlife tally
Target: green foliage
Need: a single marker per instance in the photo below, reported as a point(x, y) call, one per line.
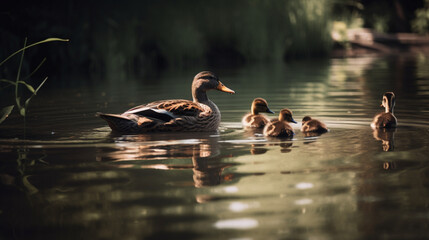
point(180, 32)
point(4, 112)
point(421, 23)
point(22, 108)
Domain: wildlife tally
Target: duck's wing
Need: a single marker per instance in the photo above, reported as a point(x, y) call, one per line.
point(167, 109)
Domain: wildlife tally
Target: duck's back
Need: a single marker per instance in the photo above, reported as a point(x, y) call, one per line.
point(278, 128)
point(166, 116)
point(384, 120)
point(314, 126)
point(254, 121)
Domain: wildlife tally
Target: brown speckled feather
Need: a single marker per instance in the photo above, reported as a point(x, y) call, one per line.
point(254, 121)
point(314, 125)
point(176, 107)
point(198, 115)
point(384, 120)
point(278, 128)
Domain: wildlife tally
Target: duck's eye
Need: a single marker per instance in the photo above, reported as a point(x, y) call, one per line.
point(207, 77)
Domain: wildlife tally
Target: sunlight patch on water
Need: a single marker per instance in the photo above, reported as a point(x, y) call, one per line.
point(243, 141)
point(304, 201)
point(240, 223)
point(304, 185)
point(238, 206)
point(231, 189)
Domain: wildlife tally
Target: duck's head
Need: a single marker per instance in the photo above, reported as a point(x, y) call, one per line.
point(204, 81)
point(260, 105)
point(388, 101)
point(286, 115)
point(306, 119)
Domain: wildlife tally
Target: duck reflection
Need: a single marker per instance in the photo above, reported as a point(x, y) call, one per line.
point(285, 147)
point(386, 136)
point(203, 149)
point(257, 149)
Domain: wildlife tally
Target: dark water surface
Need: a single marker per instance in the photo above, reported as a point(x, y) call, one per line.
point(73, 179)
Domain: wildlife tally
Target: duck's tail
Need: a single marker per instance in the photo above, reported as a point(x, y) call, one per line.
point(119, 123)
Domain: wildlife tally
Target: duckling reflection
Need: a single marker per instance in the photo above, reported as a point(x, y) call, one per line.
point(205, 154)
point(387, 138)
point(256, 149)
point(285, 147)
point(389, 165)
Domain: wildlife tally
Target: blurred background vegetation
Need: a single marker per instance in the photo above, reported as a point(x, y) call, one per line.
point(145, 36)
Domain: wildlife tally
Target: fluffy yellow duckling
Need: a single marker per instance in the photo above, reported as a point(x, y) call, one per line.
point(386, 119)
point(310, 125)
point(254, 119)
point(280, 127)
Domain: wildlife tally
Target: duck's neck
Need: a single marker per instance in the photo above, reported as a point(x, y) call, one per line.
point(199, 96)
point(389, 109)
point(253, 110)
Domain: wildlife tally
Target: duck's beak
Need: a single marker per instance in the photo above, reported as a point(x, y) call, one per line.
point(293, 120)
point(223, 88)
point(269, 111)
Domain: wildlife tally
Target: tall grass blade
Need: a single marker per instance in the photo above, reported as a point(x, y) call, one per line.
point(7, 81)
point(27, 102)
point(31, 189)
point(35, 70)
point(32, 45)
point(41, 84)
point(4, 113)
point(29, 87)
point(17, 80)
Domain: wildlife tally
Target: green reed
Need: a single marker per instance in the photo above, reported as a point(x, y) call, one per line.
point(22, 106)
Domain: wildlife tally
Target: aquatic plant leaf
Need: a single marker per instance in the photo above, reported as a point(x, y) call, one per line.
point(30, 187)
point(4, 113)
point(18, 102)
point(32, 45)
point(29, 87)
point(18, 75)
point(7, 81)
point(41, 84)
point(35, 70)
point(22, 111)
point(27, 102)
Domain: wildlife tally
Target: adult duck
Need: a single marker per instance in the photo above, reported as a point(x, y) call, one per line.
point(254, 119)
point(386, 119)
point(310, 125)
point(176, 115)
point(280, 127)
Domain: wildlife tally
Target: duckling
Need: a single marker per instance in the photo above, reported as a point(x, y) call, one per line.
point(313, 125)
point(254, 119)
point(174, 115)
point(386, 119)
point(280, 127)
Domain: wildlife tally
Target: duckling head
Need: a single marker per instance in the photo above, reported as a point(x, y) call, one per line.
point(286, 115)
point(204, 81)
point(260, 105)
point(388, 101)
point(306, 119)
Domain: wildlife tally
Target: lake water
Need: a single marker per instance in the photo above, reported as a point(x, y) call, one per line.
point(71, 178)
